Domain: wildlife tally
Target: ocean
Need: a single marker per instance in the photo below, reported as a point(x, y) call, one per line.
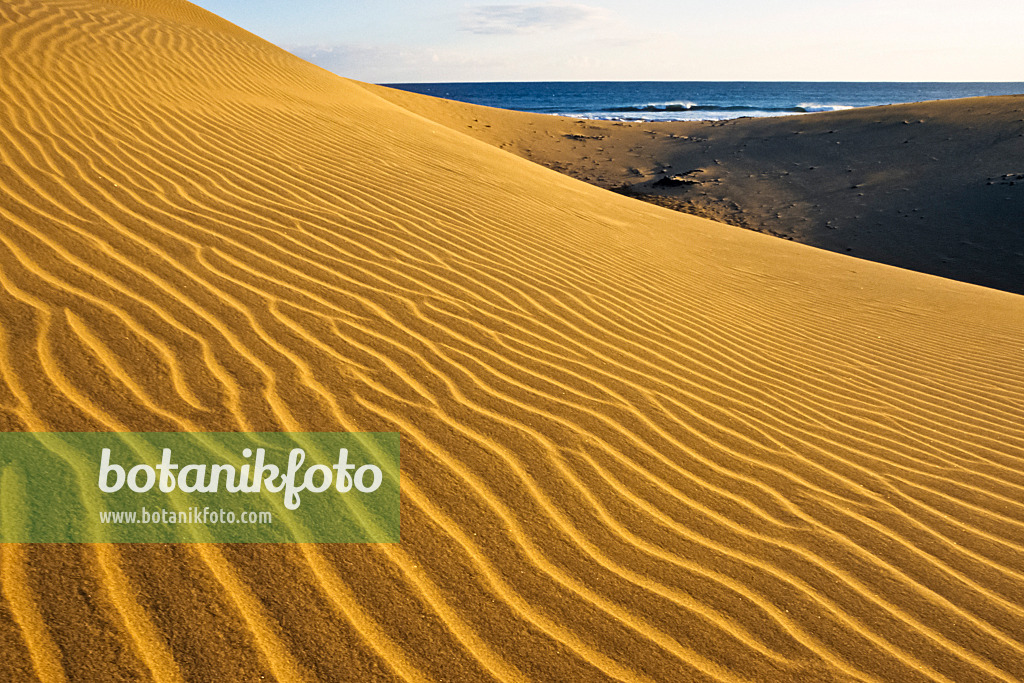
point(696, 100)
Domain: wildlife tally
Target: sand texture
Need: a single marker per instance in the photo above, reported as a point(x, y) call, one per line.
point(936, 187)
point(636, 445)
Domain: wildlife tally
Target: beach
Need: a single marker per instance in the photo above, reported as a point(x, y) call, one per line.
point(636, 444)
point(934, 187)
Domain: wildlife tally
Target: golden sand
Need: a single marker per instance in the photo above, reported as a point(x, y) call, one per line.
point(637, 445)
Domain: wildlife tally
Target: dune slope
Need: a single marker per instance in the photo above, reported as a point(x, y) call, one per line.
point(936, 187)
point(636, 446)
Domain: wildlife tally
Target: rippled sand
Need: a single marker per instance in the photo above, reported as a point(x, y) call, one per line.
point(636, 445)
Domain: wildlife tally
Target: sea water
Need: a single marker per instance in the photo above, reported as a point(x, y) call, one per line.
point(697, 100)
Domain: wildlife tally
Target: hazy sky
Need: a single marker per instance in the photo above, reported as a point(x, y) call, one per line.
point(449, 40)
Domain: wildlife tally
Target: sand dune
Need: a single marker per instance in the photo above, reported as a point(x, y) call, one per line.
point(936, 187)
point(636, 445)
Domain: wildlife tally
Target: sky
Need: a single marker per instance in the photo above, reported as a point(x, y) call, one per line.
point(756, 40)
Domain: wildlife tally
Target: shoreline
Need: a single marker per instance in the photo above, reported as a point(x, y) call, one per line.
point(673, 101)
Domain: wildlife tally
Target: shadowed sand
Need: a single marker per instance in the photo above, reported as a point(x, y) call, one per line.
point(637, 445)
point(936, 187)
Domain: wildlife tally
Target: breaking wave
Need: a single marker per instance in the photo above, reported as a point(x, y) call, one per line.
point(802, 108)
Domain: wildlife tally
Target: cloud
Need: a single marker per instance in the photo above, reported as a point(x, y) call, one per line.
point(514, 19)
point(395, 64)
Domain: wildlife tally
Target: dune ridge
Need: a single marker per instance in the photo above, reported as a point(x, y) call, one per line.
point(636, 445)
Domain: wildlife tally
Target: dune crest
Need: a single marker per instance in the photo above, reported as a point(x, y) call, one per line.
point(635, 446)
